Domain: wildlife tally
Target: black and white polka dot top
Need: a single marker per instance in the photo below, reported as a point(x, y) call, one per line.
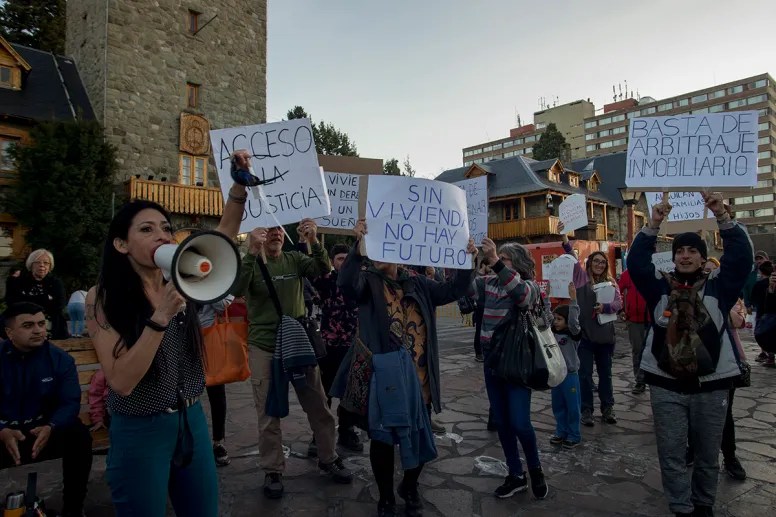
point(157, 390)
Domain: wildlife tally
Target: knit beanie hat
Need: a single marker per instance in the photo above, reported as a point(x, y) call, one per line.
point(689, 239)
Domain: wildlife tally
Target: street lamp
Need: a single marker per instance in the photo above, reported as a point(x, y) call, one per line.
point(630, 198)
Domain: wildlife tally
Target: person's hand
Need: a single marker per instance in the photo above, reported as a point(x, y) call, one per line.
point(171, 304)
point(598, 308)
point(562, 232)
point(42, 435)
point(471, 249)
point(572, 292)
point(490, 251)
point(308, 230)
point(11, 439)
point(97, 426)
point(360, 229)
point(714, 203)
point(659, 214)
point(256, 240)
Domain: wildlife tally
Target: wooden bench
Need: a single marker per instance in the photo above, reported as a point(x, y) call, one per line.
point(82, 351)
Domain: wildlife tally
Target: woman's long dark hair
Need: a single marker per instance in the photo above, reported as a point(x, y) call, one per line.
point(120, 291)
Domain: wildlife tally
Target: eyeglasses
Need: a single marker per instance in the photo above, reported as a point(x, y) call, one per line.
point(41, 263)
point(598, 262)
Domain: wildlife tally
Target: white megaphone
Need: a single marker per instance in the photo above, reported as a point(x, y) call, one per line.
point(204, 267)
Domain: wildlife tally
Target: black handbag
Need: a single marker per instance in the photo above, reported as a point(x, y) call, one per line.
point(466, 305)
point(514, 357)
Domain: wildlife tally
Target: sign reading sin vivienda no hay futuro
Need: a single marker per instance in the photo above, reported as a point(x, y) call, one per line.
point(716, 150)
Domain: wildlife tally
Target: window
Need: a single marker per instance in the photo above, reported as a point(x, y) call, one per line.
point(605, 121)
point(192, 170)
point(519, 141)
point(528, 150)
point(592, 184)
point(590, 124)
point(736, 104)
point(541, 125)
point(510, 154)
point(764, 140)
point(665, 107)
point(700, 98)
point(6, 76)
point(605, 145)
point(497, 146)
point(592, 147)
point(742, 200)
point(633, 114)
point(763, 126)
point(590, 136)
point(756, 99)
point(717, 108)
point(508, 143)
point(649, 111)
point(717, 94)
point(683, 102)
point(6, 163)
point(192, 95)
point(193, 22)
point(619, 141)
point(764, 183)
point(735, 89)
point(762, 83)
point(467, 163)
point(530, 139)
point(618, 118)
point(764, 198)
point(763, 155)
point(573, 180)
point(618, 130)
point(605, 132)
point(763, 169)
point(763, 212)
point(511, 211)
point(699, 111)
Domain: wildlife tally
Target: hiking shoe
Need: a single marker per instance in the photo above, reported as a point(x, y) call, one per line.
point(538, 484)
point(312, 449)
point(349, 440)
point(479, 358)
point(587, 418)
point(338, 472)
point(222, 457)
point(639, 388)
point(413, 506)
point(761, 357)
point(437, 428)
point(568, 444)
point(386, 509)
point(273, 485)
point(512, 485)
point(608, 416)
point(556, 440)
point(734, 468)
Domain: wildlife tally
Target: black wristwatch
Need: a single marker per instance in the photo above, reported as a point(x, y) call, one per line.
point(154, 325)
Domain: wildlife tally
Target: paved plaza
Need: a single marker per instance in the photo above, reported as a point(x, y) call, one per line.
point(613, 472)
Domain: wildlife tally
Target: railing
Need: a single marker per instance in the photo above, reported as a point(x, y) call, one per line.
point(178, 199)
point(529, 227)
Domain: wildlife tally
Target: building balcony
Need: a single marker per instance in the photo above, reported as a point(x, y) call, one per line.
point(178, 199)
point(533, 227)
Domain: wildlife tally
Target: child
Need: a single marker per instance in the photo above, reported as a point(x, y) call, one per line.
point(565, 397)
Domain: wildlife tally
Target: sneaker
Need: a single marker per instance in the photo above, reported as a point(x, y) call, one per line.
point(348, 439)
point(273, 485)
point(413, 506)
point(538, 484)
point(386, 509)
point(556, 440)
point(437, 428)
point(761, 357)
point(479, 358)
point(587, 418)
point(568, 444)
point(770, 361)
point(512, 485)
point(639, 388)
point(312, 449)
point(222, 457)
point(734, 468)
point(608, 416)
point(338, 472)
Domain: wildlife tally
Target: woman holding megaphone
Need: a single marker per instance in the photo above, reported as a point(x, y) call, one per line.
point(148, 340)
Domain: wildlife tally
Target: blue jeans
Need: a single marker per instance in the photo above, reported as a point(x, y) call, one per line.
point(602, 356)
point(566, 408)
point(76, 311)
point(511, 405)
point(140, 471)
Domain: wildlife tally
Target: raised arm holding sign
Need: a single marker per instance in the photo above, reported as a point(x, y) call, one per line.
point(572, 212)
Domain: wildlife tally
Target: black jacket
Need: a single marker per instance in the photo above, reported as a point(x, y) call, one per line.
point(49, 293)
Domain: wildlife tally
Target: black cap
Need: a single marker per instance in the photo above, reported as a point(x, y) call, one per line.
point(689, 239)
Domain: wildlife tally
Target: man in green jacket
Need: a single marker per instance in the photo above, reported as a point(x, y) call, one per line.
point(287, 271)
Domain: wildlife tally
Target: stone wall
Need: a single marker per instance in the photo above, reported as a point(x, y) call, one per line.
point(151, 56)
point(85, 43)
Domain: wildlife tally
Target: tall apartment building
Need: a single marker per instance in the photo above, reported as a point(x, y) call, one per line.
point(569, 119)
point(608, 133)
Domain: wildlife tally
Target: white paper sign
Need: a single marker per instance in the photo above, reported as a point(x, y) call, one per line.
point(693, 151)
point(417, 221)
point(560, 274)
point(572, 212)
point(283, 155)
point(663, 261)
point(342, 190)
point(686, 206)
point(477, 206)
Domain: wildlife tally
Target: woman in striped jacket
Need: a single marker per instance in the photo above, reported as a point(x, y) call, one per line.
point(512, 286)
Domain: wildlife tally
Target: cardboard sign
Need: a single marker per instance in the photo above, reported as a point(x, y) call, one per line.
point(663, 261)
point(284, 157)
point(417, 221)
point(712, 150)
point(560, 274)
point(572, 212)
point(688, 212)
point(477, 206)
point(342, 190)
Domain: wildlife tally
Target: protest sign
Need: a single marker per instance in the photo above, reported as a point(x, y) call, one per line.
point(416, 221)
point(688, 212)
point(476, 206)
point(546, 261)
point(283, 156)
point(663, 261)
point(712, 150)
point(572, 212)
point(560, 274)
point(342, 189)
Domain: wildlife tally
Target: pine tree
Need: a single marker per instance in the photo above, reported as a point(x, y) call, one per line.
point(35, 23)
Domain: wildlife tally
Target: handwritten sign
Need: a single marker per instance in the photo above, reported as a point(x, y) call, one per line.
point(561, 273)
point(342, 189)
point(572, 212)
point(284, 156)
point(663, 261)
point(686, 206)
point(476, 206)
point(693, 151)
point(417, 221)
point(546, 261)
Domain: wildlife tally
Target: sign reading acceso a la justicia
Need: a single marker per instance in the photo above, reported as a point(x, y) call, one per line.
point(693, 151)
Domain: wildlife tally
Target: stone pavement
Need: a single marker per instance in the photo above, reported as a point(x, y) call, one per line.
point(613, 472)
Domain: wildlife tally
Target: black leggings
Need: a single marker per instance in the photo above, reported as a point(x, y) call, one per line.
point(217, 397)
point(381, 456)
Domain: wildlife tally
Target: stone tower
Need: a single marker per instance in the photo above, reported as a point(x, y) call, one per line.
point(160, 73)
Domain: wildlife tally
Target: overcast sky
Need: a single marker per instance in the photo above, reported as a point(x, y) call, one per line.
point(426, 78)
